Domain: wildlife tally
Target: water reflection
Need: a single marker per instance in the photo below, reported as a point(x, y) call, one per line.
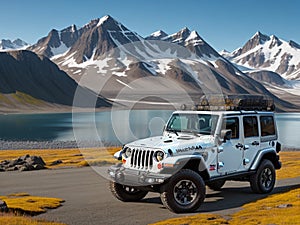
point(116, 127)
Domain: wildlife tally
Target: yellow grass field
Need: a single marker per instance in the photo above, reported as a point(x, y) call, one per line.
point(22, 204)
point(69, 157)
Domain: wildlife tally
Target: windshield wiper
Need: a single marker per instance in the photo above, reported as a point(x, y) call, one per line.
point(195, 133)
point(173, 130)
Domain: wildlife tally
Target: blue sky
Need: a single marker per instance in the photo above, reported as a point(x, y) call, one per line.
point(224, 24)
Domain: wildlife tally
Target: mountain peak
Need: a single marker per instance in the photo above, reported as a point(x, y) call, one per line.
point(260, 38)
point(12, 45)
point(193, 35)
point(185, 32)
point(157, 35)
point(179, 37)
point(104, 19)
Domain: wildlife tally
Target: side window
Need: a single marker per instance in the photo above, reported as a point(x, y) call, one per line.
point(233, 125)
point(267, 125)
point(250, 126)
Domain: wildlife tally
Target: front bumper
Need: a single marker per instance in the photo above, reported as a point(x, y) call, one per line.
point(132, 177)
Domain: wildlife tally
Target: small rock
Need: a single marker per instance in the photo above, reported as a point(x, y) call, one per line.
point(38, 166)
point(23, 163)
point(56, 162)
point(285, 206)
point(3, 206)
point(35, 160)
point(24, 157)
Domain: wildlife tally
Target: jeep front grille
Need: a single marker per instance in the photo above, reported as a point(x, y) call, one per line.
point(141, 159)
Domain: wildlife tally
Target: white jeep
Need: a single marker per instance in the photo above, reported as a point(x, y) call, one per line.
point(199, 148)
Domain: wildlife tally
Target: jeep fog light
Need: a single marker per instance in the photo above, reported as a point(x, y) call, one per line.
point(150, 180)
point(159, 156)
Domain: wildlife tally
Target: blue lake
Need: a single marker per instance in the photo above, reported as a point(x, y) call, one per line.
point(116, 127)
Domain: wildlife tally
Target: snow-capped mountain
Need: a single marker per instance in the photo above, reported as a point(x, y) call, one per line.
point(114, 58)
point(157, 35)
point(269, 53)
point(193, 41)
point(57, 42)
point(18, 44)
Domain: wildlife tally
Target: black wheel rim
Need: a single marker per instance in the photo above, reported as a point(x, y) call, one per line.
point(266, 178)
point(185, 192)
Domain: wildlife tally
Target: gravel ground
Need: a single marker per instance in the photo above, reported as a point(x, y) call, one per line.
point(12, 145)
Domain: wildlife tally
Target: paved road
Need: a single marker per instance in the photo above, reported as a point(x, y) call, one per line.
point(88, 200)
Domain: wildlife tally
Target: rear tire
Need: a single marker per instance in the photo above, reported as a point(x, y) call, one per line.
point(184, 192)
point(126, 193)
point(263, 180)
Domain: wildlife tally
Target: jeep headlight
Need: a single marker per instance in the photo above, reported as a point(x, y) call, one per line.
point(127, 152)
point(159, 156)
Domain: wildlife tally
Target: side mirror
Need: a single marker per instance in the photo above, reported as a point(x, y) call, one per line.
point(226, 135)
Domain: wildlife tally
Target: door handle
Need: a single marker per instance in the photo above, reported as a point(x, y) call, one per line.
point(255, 143)
point(239, 145)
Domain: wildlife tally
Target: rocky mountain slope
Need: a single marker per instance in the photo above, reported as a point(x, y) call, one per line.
point(29, 80)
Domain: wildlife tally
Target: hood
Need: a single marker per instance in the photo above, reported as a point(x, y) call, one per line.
point(178, 144)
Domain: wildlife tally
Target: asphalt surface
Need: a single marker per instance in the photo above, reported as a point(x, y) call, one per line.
point(89, 201)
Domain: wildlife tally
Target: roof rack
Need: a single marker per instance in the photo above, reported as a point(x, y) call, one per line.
point(237, 102)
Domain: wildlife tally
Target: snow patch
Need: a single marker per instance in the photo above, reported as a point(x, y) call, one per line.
point(102, 20)
point(59, 50)
point(121, 82)
point(157, 33)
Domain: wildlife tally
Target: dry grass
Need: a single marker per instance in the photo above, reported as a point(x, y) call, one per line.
point(277, 209)
point(290, 165)
point(281, 208)
point(26, 204)
point(22, 204)
point(194, 220)
point(69, 157)
point(7, 219)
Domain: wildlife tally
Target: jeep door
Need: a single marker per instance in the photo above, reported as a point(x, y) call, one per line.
point(251, 143)
point(230, 159)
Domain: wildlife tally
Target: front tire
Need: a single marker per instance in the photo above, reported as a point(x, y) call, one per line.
point(126, 193)
point(263, 180)
point(184, 192)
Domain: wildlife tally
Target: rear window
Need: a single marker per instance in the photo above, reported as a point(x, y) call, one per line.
point(267, 125)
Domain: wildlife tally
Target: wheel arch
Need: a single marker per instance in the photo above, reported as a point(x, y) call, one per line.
point(198, 166)
point(269, 154)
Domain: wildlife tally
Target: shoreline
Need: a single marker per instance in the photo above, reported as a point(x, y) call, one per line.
point(71, 144)
point(44, 145)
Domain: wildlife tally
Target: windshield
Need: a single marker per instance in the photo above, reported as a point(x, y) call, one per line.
point(193, 123)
